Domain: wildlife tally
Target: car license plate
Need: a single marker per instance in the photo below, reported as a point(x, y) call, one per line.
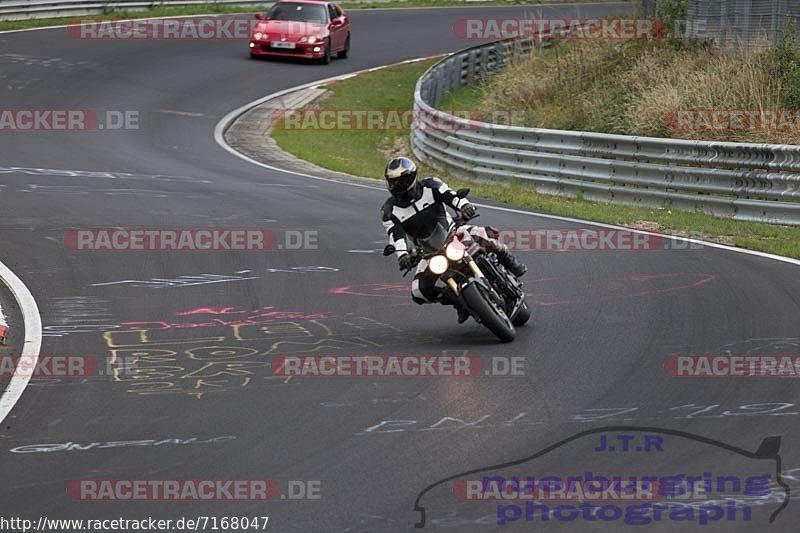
point(282, 44)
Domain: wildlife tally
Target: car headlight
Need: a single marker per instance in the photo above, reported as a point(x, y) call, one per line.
point(455, 251)
point(312, 40)
point(438, 264)
point(258, 36)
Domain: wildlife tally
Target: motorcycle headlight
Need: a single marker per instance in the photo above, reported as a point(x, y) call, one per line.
point(454, 251)
point(438, 264)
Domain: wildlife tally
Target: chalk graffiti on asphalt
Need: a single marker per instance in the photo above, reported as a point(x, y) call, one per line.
point(180, 281)
point(214, 356)
point(72, 446)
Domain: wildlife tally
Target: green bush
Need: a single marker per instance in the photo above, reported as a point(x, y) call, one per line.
point(786, 58)
point(672, 12)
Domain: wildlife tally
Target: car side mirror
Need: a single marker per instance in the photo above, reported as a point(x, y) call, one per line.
point(389, 250)
point(337, 22)
point(462, 193)
point(259, 16)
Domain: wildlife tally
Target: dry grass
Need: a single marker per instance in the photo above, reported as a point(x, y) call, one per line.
point(638, 88)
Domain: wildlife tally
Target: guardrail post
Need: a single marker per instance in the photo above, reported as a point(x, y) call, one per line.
point(484, 64)
point(471, 67)
point(499, 55)
point(454, 81)
point(437, 87)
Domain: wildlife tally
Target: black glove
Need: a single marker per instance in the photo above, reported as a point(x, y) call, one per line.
point(469, 211)
point(405, 262)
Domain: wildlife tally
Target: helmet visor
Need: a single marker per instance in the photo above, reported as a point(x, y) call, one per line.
point(400, 184)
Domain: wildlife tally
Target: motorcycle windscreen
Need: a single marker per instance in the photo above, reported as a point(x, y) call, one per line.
point(437, 236)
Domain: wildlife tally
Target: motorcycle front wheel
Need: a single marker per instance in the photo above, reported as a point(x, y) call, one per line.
point(489, 314)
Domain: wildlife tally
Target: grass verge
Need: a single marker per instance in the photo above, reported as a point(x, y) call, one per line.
point(364, 153)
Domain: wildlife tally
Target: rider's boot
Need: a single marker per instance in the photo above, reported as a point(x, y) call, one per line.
point(511, 263)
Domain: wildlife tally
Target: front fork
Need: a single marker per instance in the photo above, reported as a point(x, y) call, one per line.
point(475, 270)
point(479, 277)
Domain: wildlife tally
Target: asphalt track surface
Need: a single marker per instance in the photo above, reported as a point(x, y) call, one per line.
point(603, 322)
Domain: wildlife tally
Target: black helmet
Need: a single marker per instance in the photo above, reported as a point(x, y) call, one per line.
point(401, 176)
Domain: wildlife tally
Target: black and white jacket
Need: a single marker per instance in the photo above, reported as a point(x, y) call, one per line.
point(420, 216)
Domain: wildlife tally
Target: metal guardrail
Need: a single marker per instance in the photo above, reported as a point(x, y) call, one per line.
point(32, 9)
point(759, 182)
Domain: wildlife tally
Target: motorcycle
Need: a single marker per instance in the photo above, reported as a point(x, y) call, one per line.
point(473, 276)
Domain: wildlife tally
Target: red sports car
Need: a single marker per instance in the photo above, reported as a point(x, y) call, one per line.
point(311, 29)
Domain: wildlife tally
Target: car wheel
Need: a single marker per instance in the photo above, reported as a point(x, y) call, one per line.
point(326, 59)
point(344, 53)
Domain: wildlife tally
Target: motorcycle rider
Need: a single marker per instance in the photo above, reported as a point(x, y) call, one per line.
point(413, 210)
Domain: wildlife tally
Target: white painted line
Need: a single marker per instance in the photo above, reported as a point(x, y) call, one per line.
point(33, 339)
point(642, 232)
point(227, 120)
point(182, 113)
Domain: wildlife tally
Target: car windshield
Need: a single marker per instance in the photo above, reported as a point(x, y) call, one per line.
point(298, 11)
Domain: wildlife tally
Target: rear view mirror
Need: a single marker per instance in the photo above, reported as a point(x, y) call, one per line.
point(462, 193)
point(259, 16)
point(389, 250)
